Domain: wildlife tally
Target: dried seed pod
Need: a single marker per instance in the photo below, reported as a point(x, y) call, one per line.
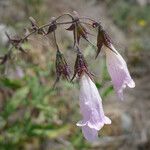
point(78, 30)
point(102, 39)
point(62, 68)
point(80, 66)
point(81, 32)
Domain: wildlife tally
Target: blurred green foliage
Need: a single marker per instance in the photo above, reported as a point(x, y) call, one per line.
point(128, 15)
point(29, 112)
point(32, 111)
point(132, 19)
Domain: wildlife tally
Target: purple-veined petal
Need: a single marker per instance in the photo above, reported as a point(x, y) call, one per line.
point(91, 109)
point(118, 71)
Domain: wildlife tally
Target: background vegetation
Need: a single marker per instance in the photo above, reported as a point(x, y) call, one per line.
point(35, 116)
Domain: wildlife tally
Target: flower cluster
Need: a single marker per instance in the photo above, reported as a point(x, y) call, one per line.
point(89, 99)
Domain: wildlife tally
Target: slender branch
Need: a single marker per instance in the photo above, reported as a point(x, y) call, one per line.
point(48, 24)
point(27, 36)
point(69, 22)
point(55, 40)
point(66, 14)
point(74, 20)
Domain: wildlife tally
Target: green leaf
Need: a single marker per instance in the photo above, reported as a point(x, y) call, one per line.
point(13, 84)
point(98, 85)
point(16, 100)
point(107, 91)
point(20, 94)
point(52, 133)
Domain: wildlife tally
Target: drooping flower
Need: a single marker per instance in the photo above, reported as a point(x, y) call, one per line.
point(90, 101)
point(116, 65)
point(118, 71)
point(91, 109)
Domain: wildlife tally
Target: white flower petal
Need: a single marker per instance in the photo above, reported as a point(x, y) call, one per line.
point(118, 71)
point(90, 135)
point(91, 108)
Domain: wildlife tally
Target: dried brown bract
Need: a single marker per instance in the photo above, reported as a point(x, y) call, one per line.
point(62, 68)
point(80, 26)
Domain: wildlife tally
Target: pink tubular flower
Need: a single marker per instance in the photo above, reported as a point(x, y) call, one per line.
point(118, 71)
point(91, 109)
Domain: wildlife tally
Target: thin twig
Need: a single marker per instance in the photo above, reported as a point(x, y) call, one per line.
point(74, 19)
point(55, 40)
